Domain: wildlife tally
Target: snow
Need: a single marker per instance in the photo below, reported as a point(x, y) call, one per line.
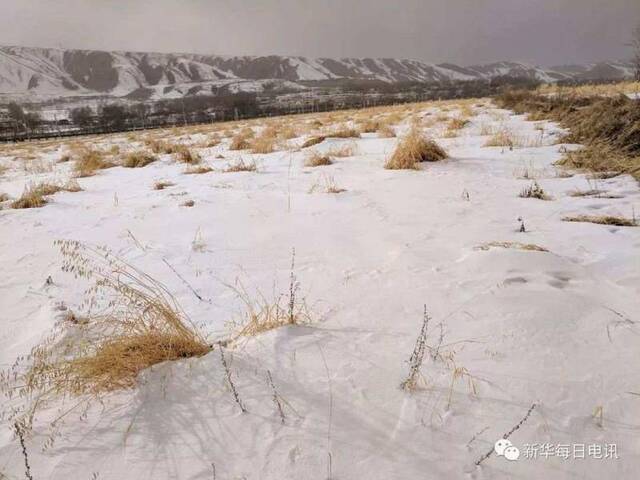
point(527, 327)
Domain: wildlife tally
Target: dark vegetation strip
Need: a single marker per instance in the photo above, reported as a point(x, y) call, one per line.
point(609, 128)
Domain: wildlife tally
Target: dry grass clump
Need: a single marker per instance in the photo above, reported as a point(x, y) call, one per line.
point(603, 220)
point(328, 185)
point(265, 142)
point(386, 131)
point(89, 161)
point(198, 170)
point(313, 141)
point(163, 146)
point(210, 142)
point(241, 166)
point(513, 245)
point(604, 90)
point(608, 127)
point(4, 197)
point(316, 159)
point(502, 138)
point(188, 203)
point(413, 149)
point(369, 126)
point(288, 132)
point(344, 132)
point(34, 196)
point(601, 157)
point(348, 149)
point(457, 124)
point(534, 191)
point(263, 314)
point(242, 139)
point(138, 159)
point(586, 193)
point(188, 156)
point(161, 185)
point(131, 323)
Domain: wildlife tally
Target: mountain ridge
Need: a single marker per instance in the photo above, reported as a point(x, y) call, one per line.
point(57, 72)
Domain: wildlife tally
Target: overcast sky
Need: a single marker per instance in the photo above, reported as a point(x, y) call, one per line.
point(545, 32)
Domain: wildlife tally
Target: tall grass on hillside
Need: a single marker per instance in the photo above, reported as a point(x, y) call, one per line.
point(609, 127)
point(413, 149)
point(130, 322)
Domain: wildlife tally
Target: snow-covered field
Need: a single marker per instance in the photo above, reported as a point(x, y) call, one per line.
point(513, 328)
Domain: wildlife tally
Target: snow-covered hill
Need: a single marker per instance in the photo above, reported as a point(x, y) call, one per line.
point(55, 72)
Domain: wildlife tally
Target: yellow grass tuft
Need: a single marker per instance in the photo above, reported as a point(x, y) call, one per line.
point(138, 159)
point(344, 132)
point(603, 220)
point(315, 159)
point(413, 149)
point(242, 166)
point(198, 170)
point(132, 322)
point(265, 142)
point(34, 196)
point(188, 156)
point(386, 131)
point(534, 191)
point(501, 138)
point(313, 141)
point(90, 161)
point(513, 245)
point(161, 185)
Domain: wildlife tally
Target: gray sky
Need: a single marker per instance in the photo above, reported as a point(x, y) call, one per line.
point(460, 31)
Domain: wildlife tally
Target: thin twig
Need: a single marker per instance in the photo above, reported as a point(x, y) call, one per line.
point(184, 281)
point(415, 361)
point(508, 434)
point(330, 459)
point(20, 433)
point(276, 398)
point(230, 380)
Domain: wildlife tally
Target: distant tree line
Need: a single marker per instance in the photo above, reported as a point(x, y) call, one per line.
point(24, 122)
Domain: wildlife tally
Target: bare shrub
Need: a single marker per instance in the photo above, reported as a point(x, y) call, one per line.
point(413, 149)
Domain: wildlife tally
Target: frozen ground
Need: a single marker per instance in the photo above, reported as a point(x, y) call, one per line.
point(557, 328)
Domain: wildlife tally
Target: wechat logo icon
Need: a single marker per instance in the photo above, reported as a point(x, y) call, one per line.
point(504, 448)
